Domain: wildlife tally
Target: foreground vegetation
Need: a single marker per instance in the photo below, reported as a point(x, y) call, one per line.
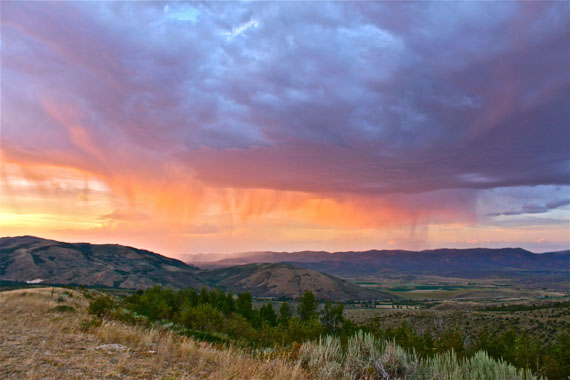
point(47, 334)
point(381, 353)
point(366, 357)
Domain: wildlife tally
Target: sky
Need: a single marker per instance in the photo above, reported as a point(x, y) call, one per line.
point(245, 126)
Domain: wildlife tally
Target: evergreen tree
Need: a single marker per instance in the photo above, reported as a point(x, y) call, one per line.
point(244, 305)
point(307, 308)
point(229, 304)
point(285, 313)
point(268, 315)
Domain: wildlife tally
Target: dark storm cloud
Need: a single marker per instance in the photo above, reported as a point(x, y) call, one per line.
point(368, 98)
point(535, 208)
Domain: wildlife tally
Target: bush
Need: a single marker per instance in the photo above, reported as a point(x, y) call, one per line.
point(479, 366)
point(323, 357)
point(395, 363)
point(368, 358)
point(101, 305)
point(361, 354)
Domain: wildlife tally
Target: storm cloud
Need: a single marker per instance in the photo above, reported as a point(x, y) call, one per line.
point(382, 100)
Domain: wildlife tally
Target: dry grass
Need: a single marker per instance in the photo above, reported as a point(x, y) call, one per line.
point(202, 358)
point(36, 343)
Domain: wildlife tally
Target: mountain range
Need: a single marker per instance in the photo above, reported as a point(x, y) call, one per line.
point(265, 274)
point(36, 260)
point(466, 263)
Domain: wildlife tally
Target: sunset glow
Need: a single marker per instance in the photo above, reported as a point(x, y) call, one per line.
point(230, 127)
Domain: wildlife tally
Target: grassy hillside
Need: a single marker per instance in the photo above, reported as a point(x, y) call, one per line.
point(29, 258)
point(283, 280)
point(44, 336)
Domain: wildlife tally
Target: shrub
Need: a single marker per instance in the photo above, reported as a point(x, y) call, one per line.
point(480, 366)
point(361, 353)
point(395, 363)
point(101, 305)
point(324, 358)
point(368, 358)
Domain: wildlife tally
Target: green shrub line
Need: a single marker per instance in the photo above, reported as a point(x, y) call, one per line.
point(320, 330)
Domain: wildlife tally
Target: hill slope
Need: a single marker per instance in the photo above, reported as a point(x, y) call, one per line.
point(39, 342)
point(276, 280)
point(29, 258)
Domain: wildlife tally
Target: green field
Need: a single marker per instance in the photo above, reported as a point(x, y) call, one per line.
point(424, 288)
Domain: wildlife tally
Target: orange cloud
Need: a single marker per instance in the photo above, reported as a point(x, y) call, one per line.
point(111, 191)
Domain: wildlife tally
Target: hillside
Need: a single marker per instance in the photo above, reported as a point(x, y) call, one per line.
point(47, 337)
point(42, 336)
point(449, 262)
point(29, 258)
point(277, 280)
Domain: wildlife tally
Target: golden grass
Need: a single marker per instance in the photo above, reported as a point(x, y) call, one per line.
point(201, 358)
point(36, 343)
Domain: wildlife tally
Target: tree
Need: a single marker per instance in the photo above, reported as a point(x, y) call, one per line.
point(205, 296)
point(307, 308)
point(204, 317)
point(331, 317)
point(285, 313)
point(268, 314)
point(243, 305)
point(526, 352)
point(557, 359)
point(154, 303)
point(452, 340)
point(229, 305)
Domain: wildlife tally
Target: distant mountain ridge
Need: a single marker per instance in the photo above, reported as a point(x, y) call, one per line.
point(472, 262)
point(32, 259)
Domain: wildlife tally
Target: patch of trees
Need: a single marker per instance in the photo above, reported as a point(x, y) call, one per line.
point(226, 317)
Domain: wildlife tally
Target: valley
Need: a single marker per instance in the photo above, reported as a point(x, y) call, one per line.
point(515, 314)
